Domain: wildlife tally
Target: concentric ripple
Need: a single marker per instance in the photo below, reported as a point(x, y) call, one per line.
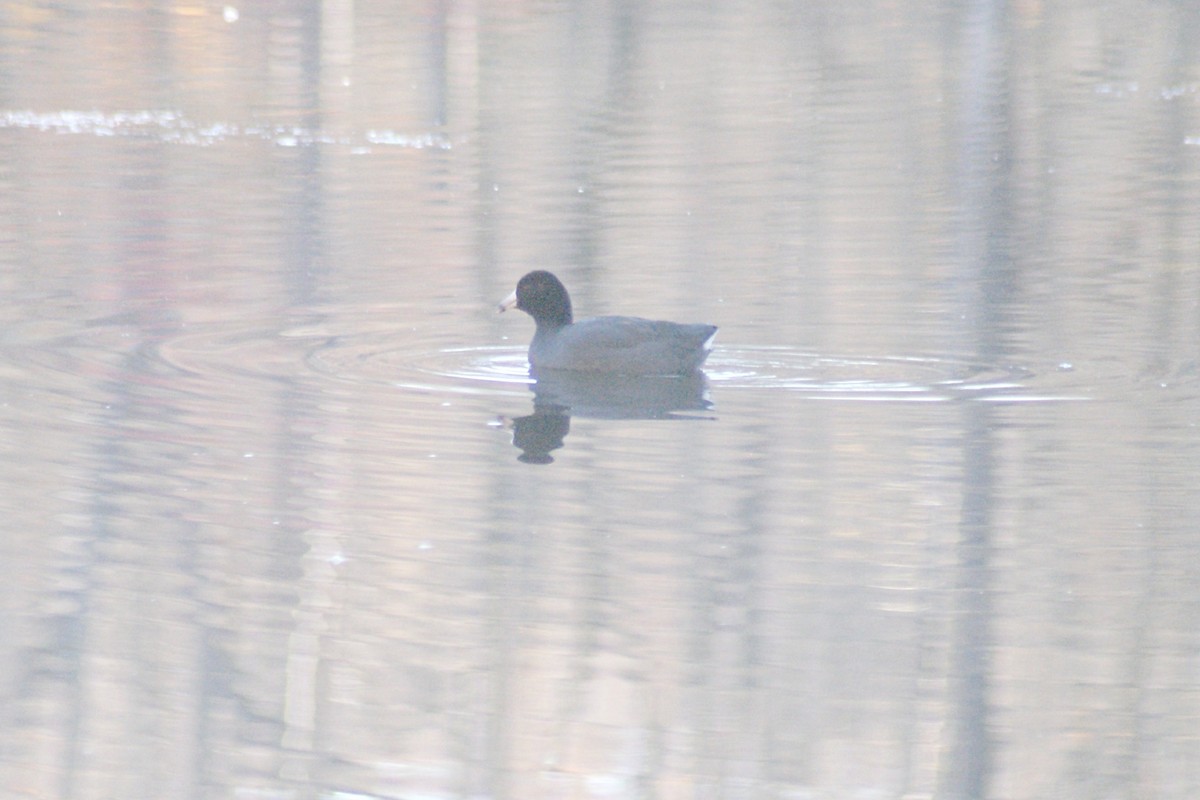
point(419, 360)
point(894, 378)
point(422, 363)
point(504, 370)
point(499, 370)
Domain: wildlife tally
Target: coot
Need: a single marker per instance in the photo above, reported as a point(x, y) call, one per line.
point(621, 345)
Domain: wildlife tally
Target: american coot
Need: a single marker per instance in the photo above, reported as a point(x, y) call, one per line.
point(619, 345)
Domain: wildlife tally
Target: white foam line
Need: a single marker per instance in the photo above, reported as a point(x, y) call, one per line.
point(173, 127)
point(1034, 398)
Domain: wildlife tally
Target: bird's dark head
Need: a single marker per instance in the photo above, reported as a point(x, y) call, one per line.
point(542, 296)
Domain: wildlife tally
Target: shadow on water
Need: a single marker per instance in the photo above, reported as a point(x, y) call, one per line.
point(559, 395)
point(987, 279)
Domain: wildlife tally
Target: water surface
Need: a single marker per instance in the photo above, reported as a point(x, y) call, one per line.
point(285, 515)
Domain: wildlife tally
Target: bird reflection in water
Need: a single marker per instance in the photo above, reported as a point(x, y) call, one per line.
point(559, 395)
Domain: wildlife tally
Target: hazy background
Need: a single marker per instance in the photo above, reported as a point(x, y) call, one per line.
point(263, 529)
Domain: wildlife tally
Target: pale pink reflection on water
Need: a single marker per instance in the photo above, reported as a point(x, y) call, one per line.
point(286, 515)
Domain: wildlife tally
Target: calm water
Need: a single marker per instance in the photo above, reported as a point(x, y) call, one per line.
point(284, 517)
